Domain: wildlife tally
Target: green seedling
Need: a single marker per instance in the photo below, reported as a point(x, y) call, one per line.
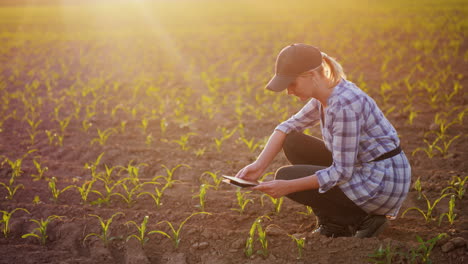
point(300, 243)
point(6, 217)
point(11, 190)
point(425, 247)
point(418, 188)
point(15, 165)
point(103, 136)
point(64, 124)
point(51, 136)
point(430, 150)
point(450, 214)
point(131, 192)
point(149, 139)
point(214, 177)
point(84, 190)
point(55, 191)
point(109, 192)
point(36, 200)
point(123, 124)
point(242, 200)
point(308, 211)
point(163, 124)
point(40, 171)
point(175, 234)
point(430, 207)
point(277, 202)
point(133, 171)
point(250, 143)
point(226, 134)
point(142, 231)
point(457, 185)
point(93, 166)
point(105, 231)
point(383, 255)
point(249, 244)
point(199, 152)
point(170, 174)
point(144, 125)
point(85, 125)
point(40, 232)
point(202, 195)
point(183, 140)
point(157, 196)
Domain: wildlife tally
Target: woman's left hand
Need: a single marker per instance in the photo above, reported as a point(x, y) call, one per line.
point(275, 188)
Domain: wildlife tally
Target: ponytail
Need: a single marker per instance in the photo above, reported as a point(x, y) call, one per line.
point(332, 69)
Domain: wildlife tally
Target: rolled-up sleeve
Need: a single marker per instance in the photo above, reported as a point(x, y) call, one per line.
point(345, 130)
point(306, 117)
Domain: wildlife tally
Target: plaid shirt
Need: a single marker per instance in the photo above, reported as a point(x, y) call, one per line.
point(356, 132)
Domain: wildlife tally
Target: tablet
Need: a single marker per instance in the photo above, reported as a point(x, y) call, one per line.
point(239, 182)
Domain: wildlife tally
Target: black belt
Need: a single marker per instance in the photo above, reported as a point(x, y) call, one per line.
point(389, 154)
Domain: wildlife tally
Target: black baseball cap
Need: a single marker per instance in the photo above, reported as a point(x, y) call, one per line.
point(291, 62)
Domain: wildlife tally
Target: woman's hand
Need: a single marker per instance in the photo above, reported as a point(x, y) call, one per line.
point(275, 188)
point(251, 172)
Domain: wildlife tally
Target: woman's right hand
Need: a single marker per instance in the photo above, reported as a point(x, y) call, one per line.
point(251, 172)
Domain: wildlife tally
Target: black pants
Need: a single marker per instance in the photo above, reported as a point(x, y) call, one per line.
point(308, 155)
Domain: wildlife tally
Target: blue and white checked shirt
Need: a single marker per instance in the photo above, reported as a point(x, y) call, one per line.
point(356, 132)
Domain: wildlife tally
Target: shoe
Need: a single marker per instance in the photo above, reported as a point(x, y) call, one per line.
point(371, 226)
point(332, 230)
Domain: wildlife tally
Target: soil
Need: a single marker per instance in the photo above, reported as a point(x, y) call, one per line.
point(217, 237)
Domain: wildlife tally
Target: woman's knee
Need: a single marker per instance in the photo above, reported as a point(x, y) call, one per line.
point(282, 173)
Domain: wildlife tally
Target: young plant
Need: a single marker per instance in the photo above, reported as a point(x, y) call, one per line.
point(170, 174)
point(425, 247)
point(418, 188)
point(383, 255)
point(85, 189)
point(6, 217)
point(93, 166)
point(430, 150)
point(214, 176)
point(183, 140)
point(105, 231)
point(142, 231)
point(202, 195)
point(11, 190)
point(300, 242)
point(249, 244)
point(277, 202)
point(250, 143)
point(40, 171)
point(242, 201)
point(457, 185)
point(40, 232)
point(55, 191)
point(133, 171)
point(430, 207)
point(103, 136)
point(175, 234)
point(15, 165)
point(131, 192)
point(109, 192)
point(450, 214)
point(157, 196)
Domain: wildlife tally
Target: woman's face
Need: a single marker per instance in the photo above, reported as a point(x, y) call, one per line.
point(303, 87)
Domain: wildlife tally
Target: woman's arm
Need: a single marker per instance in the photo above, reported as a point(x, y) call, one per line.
point(255, 170)
point(279, 188)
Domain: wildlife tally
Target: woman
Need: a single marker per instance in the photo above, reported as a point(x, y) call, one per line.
point(357, 176)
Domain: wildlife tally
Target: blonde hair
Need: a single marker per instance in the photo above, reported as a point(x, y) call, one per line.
point(332, 69)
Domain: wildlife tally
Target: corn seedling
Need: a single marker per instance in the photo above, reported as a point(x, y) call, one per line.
point(149, 139)
point(105, 231)
point(430, 207)
point(430, 150)
point(457, 185)
point(6, 217)
point(36, 200)
point(163, 124)
point(214, 177)
point(55, 191)
point(226, 134)
point(418, 188)
point(103, 136)
point(93, 166)
point(123, 124)
point(40, 232)
point(309, 211)
point(85, 125)
point(250, 144)
point(183, 140)
point(133, 171)
point(131, 192)
point(40, 171)
point(144, 125)
point(170, 174)
point(85, 189)
point(277, 202)
point(450, 214)
point(446, 144)
point(383, 255)
point(249, 244)
point(425, 247)
point(157, 196)
point(51, 136)
point(11, 190)
point(300, 242)
point(199, 152)
point(202, 195)
point(64, 124)
point(242, 200)
point(142, 231)
point(109, 192)
point(15, 165)
point(175, 234)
